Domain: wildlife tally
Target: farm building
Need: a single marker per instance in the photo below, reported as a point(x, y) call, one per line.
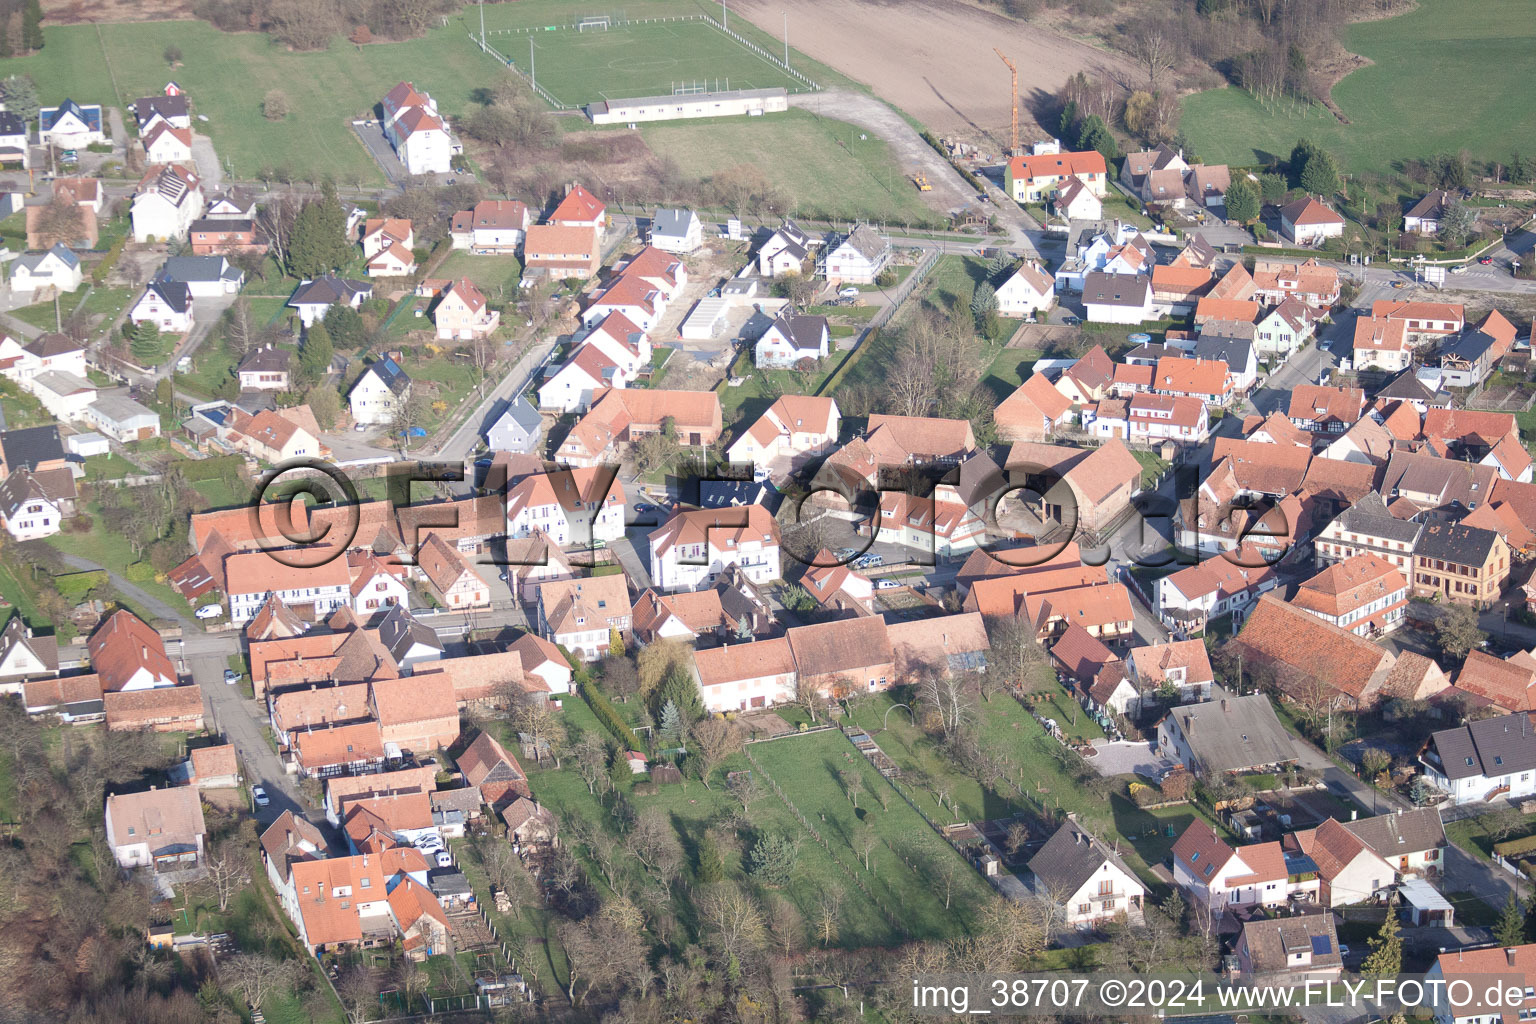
point(736, 103)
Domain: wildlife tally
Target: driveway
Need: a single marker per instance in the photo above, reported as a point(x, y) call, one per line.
point(140, 596)
point(371, 134)
point(1466, 873)
point(1128, 758)
point(207, 161)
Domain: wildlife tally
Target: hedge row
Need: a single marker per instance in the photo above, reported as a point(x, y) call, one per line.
point(609, 717)
point(217, 468)
point(1516, 847)
point(101, 270)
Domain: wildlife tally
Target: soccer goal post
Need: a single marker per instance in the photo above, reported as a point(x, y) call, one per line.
point(597, 23)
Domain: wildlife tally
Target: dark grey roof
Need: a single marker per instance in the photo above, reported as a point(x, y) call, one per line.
point(1150, 350)
point(1456, 543)
point(225, 224)
point(1070, 857)
point(866, 242)
point(1234, 733)
point(447, 882)
point(175, 293)
point(18, 489)
point(323, 291)
point(12, 124)
point(1469, 345)
point(1369, 517)
point(1407, 387)
point(400, 631)
point(1199, 248)
point(89, 115)
point(46, 648)
point(30, 446)
point(980, 479)
point(522, 412)
point(64, 253)
point(265, 359)
point(736, 493)
point(1103, 289)
point(389, 371)
point(673, 223)
point(166, 106)
point(804, 332)
point(1491, 747)
point(1405, 832)
point(1432, 205)
point(1232, 350)
point(1272, 941)
point(199, 268)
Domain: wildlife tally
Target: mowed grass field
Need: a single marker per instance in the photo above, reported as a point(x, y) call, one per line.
point(1450, 75)
point(640, 60)
point(227, 76)
point(824, 165)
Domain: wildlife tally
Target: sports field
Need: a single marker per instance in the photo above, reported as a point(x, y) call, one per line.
point(651, 58)
point(1448, 76)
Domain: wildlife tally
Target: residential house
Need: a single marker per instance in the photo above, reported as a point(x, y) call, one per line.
point(417, 713)
point(1483, 760)
point(1028, 291)
point(582, 614)
point(675, 230)
point(25, 657)
point(44, 230)
point(1206, 380)
point(857, 259)
point(313, 590)
point(1087, 379)
point(1081, 874)
point(264, 369)
point(619, 416)
point(572, 507)
point(166, 304)
point(694, 546)
point(1215, 345)
point(580, 209)
point(418, 133)
point(1364, 594)
point(58, 269)
point(355, 749)
point(288, 840)
point(785, 253)
point(1326, 410)
point(1412, 841)
point(15, 141)
point(1425, 320)
point(518, 428)
point(341, 903)
point(462, 313)
point(1217, 876)
point(792, 338)
point(171, 110)
point(1155, 418)
point(1311, 283)
point(71, 125)
point(1037, 178)
point(1460, 562)
point(1227, 583)
point(269, 436)
point(1229, 735)
point(611, 355)
point(127, 654)
point(1467, 359)
point(1177, 290)
point(1283, 329)
point(165, 144)
point(377, 395)
point(1465, 967)
point(1302, 949)
point(376, 584)
point(1117, 298)
point(313, 299)
point(928, 524)
point(204, 276)
point(738, 677)
point(1308, 222)
point(168, 709)
point(213, 767)
point(454, 582)
point(1424, 216)
point(1076, 200)
point(1311, 659)
point(1382, 343)
point(793, 427)
point(1367, 528)
point(560, 251)
point(1349, 871)
point(168, 199)
point(491, 227)
point(1177, 671)
point(1094, 488)
point(161, 829)
point(225, 236)
point(687, 616)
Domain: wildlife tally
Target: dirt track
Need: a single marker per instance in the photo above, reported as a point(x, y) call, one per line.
point(933, 58)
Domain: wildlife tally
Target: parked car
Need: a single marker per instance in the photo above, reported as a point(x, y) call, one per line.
point(887, 584)
point(209, 611)
point(231, 677)
point(849, 293)
point(1071, 321)
point(444, 859)
point(1486, 260)
point(260, 796)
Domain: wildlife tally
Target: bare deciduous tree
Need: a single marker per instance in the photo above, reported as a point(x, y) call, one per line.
point(256, 976)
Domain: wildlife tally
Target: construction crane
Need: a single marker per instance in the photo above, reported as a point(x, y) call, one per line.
point(1013, 97)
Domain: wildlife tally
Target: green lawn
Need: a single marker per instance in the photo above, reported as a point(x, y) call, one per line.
point(835, 173)
point(109, 467)
point(212, 363)
point(741, 406)
point(491, 274)
point(1152, 466)
point(112, 553)
point(1011, 368)
point(22, 409)
point(1456, 72)
point(452, 378)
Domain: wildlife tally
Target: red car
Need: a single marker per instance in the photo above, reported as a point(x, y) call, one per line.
point(1486, 260)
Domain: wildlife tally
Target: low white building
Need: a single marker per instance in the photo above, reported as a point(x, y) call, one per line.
point(734, 103)
point(793, 426)
point(696, 545)
point(376, 397)
point(314, 298)
point(791, 338)
point(1085, 879)
point(419, 134)
point(166, 304)
point(71, 125)
point(676, 231)
point(64, 394)
point(1028, 291)
point(1490, 759)
point(58, 269)
point(1117, 298)
point(1309, 222)
point(122, 419)
point(858, 258)
point(28, 511)
point(168, 199)
point(318, 590)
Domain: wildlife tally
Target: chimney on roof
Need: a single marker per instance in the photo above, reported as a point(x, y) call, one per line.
point(1224, 707)
point(1509, 955)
